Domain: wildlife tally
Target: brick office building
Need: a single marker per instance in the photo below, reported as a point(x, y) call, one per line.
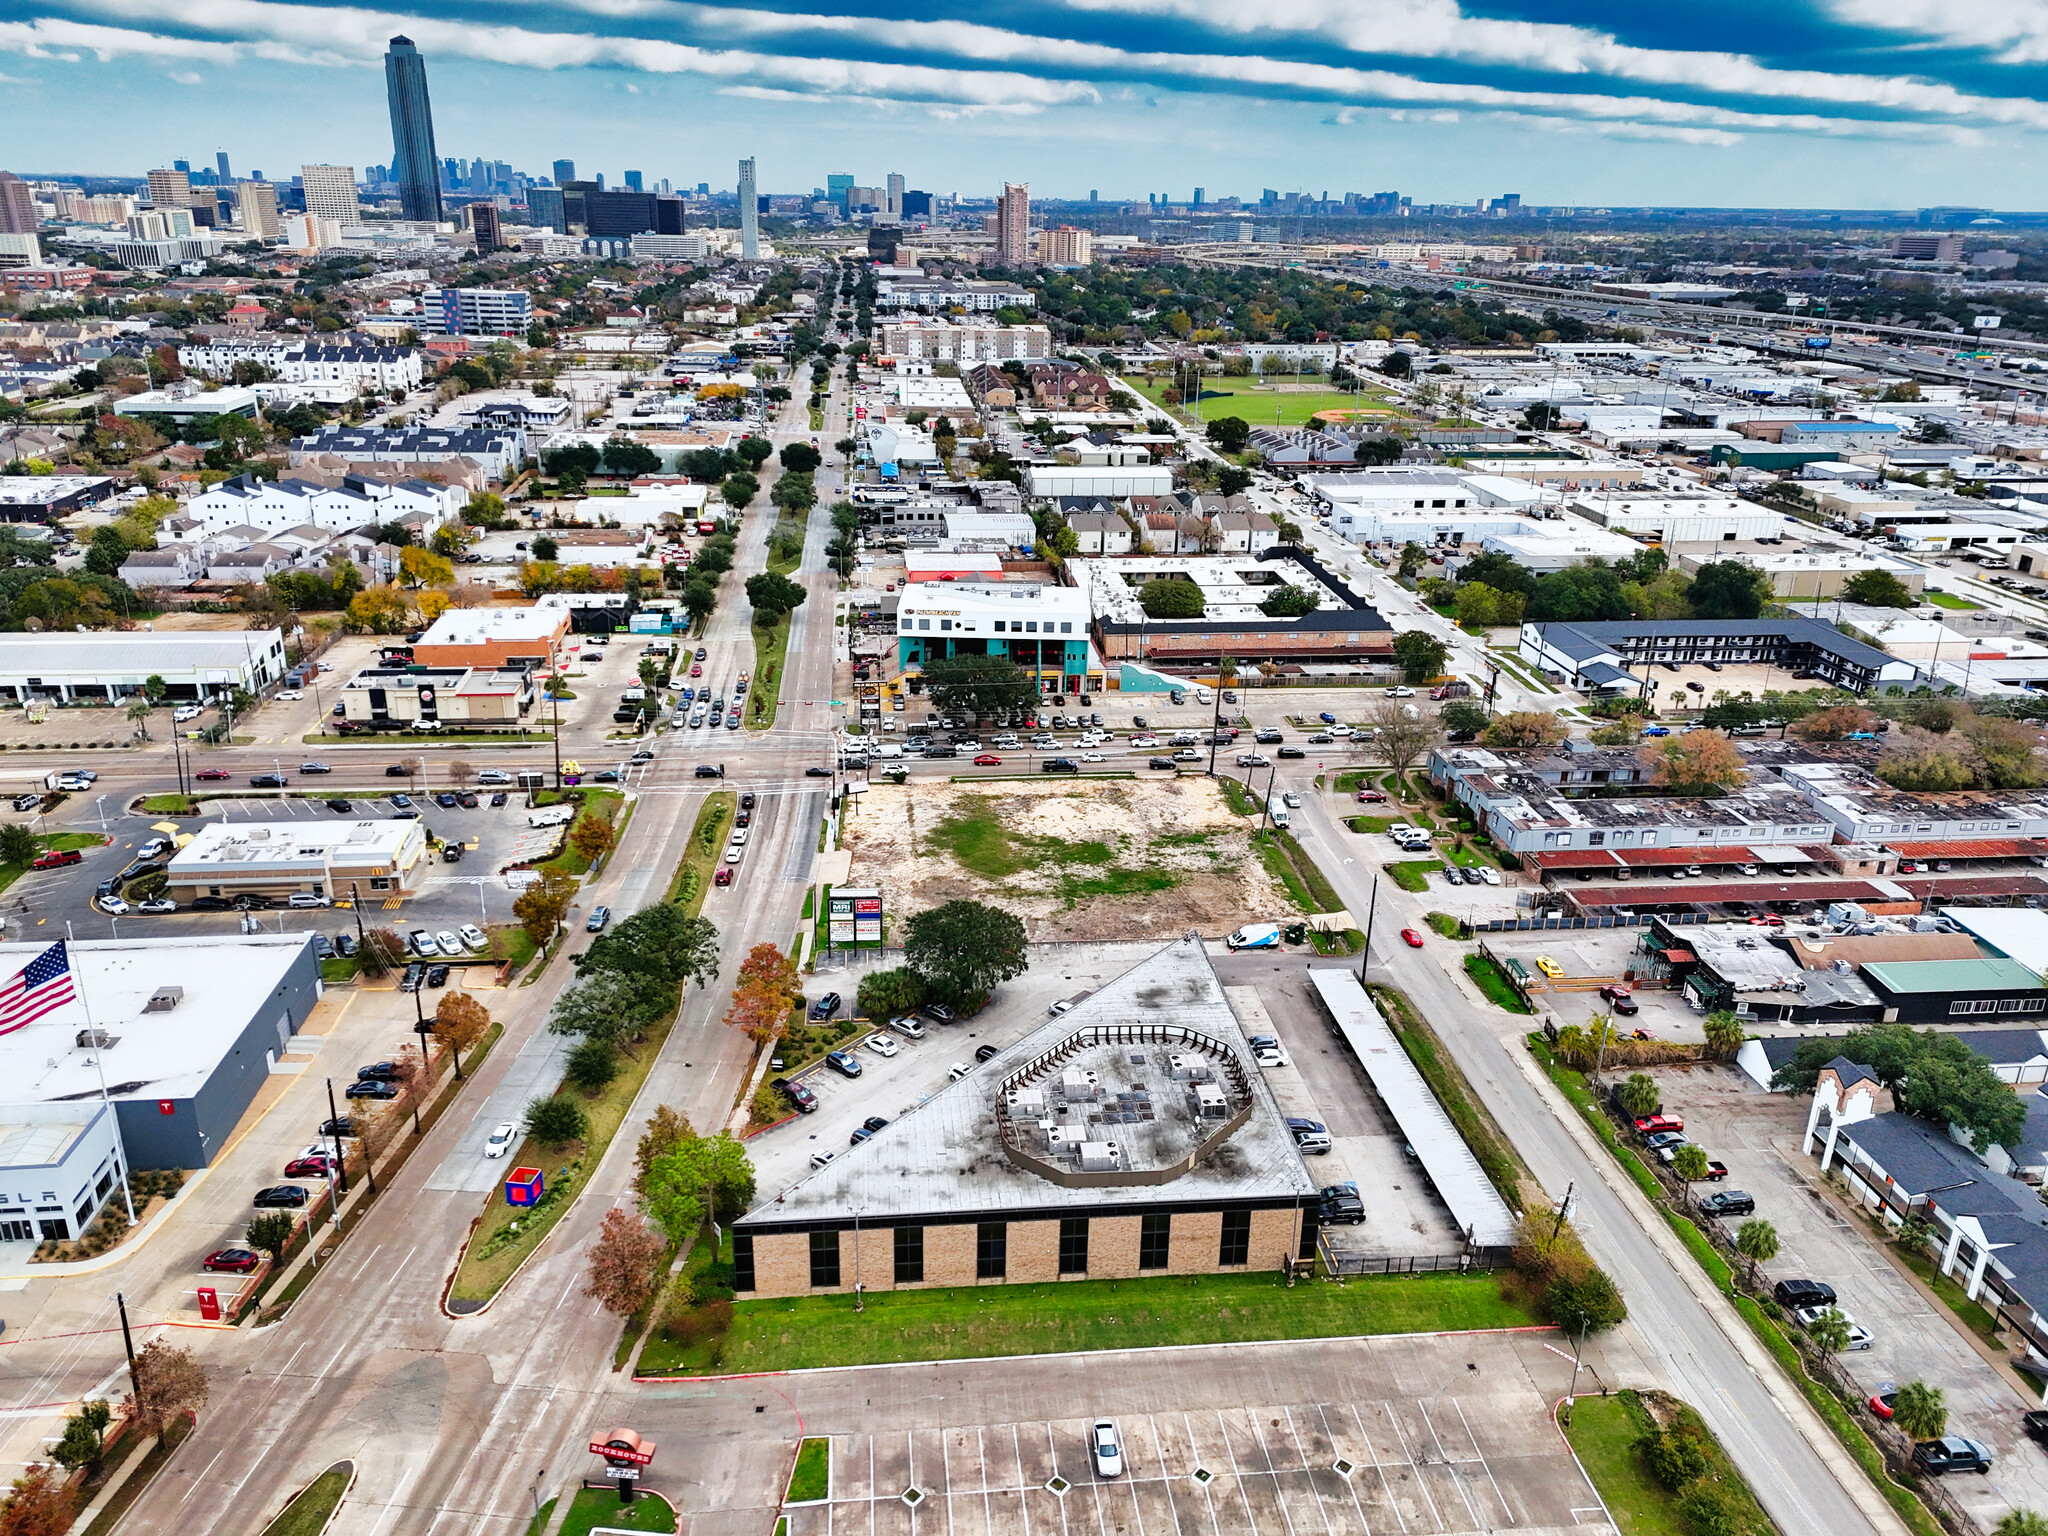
point(1130, 1136)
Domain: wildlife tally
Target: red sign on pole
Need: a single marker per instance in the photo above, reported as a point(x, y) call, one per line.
point(209, 1303)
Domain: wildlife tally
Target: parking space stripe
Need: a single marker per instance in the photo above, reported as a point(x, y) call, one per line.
point(1421, 1484)
point(1237, 1475)
point(1307, 1470)
point(1450, 1466)
point(1165, 1479)
point(1387, 1487)
point(1279, 1497)
point(1052, 1446)
point(1349, 1483)
point(1024, 1494)
point(1486, 1465)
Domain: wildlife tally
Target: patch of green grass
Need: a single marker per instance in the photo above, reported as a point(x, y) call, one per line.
point(62, 841)
point(1604, 1431)
point(706, 847)
point(340, 969)
point(170, 805)
point(1948, 600)
point(540, 1519)
point(1487, 977)
point(1381, 823)
point(1447, 1081)
point(1450, 927)
point(977, 838)
point(602, 804)
point(771, 647)
point(1413, 874)
point(981, 1321)
point(594, 1507)
point(1282, 869)
point(811, 1478)
point(1237, 797)
point(978, 841)
point(1117, 882)
point(307, 1514)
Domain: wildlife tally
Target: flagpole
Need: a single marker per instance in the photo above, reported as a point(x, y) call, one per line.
point(100, 1066)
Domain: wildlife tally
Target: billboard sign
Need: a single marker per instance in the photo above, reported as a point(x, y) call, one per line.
point(1986, 322)
point(854, 916)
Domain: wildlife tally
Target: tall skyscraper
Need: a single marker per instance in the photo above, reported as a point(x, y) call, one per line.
point(1013, 224)
point(838, 189)
point(220, 158)
point(414, 165)
point(490, 232)
point(259, 210)
point(893, 204)
point(565, 172)
point(545, 208)
point(750, 218)
point(330, 191)
point(633, 182)
point(17, 206)
point(170, 189)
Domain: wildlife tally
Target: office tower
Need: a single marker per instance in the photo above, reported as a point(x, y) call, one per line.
point(882, 240)
point(599, 182)
point(1094, 196)
point(662, 186)
point(893, 203)
point(917, 205)
point(565, 172)
point(170, 189)
point(259, 210)
point(182, 166)
point(1198, 196)
point(413, 161)
point(837, 190)
point(544, 208)
point(633, 182)
point(220, 159)
point(490, 232)
point(1013, 224)
point(588, 207)
point(17, 206)
point(330, 192)
point(750, 215)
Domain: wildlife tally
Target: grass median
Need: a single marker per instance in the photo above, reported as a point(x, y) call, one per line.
point(1413, 874)
point(1606, 1431)
point(706, 847)
point(975, 1322)
point(771, 647)
point(308, 1514)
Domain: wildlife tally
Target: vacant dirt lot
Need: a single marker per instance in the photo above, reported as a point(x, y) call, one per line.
point(1111, 860)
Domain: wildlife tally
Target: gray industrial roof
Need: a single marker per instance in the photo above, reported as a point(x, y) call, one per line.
point(1475, 1204)
point(946, 1156)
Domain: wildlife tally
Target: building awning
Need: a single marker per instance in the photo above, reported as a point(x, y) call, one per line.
point(1680, 956)
point(1780, 853)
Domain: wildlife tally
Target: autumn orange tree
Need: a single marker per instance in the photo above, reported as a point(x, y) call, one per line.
point(459, 1022)
point(169, 1382)
point(1834, 724)
point(625, 1263)
point(37, 1505)
point(592, 837)
point(1526, 729)
point(1695, 763)
point(762, 997)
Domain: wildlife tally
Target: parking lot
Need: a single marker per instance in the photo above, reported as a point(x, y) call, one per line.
point(1758, 1135)
point(1435, 1445)
point(1587, 955)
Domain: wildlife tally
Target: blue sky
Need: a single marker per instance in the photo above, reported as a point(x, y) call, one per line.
point(1835, 103)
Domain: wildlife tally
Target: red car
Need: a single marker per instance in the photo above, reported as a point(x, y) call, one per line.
point(231, 1261)
point(697, 670)
point(56, 858)
point(1411, 938)
point(213, 773)
point(988, 760)
point(1372, 797)
point(724, 875)
point(1767, 920)
point(306, 1168)
point(1883, 1400)
point(1650, 1125)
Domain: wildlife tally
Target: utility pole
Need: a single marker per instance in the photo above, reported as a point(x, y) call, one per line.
point(1371, 911)
point(128, 1344)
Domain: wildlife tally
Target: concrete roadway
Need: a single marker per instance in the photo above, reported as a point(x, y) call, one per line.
point(1690, 1339)
point(455, 1420)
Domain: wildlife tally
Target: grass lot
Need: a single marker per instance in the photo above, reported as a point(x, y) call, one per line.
point(1450, 927)
point(1240, 799)
point(1487, 977)
point(1948, 600)
point(706, 848)
point(307, 1514)
point(1604, 1432)
point(170, 805)
point(980, 1321)
point(1413, 874)
point(340, 969)
point(976, 836)
point(494, 1251)
point(63, 841)
point(1288, 862)
point(812, 1477)
point(601, 803)
point(770, 647)
point(1381, 823)
point(594, 1507)
point(1262, 407)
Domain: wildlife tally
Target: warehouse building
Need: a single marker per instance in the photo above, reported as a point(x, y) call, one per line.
point(184, 1033)
point(112, 664)
point(45, 498)
point(494, 637)
point(1130, 1136)
point(1596, 657)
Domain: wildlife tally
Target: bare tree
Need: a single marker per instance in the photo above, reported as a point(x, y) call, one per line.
point(168, 1382)
point(1402, 736)
point(461, 772)
point(624, 1263)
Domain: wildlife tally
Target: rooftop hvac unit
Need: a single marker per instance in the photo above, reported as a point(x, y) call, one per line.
point(1186, 1068)
point(1210, 1103)
point(164, 999)
point(1101, 1157)
point(1026, 1101)
point(97, 1039)
point(1079, 1083)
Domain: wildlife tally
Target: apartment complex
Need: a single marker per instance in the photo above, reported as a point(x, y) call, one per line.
point(330, 192)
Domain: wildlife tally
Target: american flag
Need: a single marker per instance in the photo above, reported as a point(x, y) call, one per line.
point(40, 987)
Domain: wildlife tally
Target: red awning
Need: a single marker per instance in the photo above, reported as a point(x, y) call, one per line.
point(1680, 956)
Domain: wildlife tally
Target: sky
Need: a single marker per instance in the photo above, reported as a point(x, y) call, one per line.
point(1591, 103)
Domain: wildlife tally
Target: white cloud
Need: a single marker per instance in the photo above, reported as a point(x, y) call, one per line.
point(2017, 29)
point(186, 77)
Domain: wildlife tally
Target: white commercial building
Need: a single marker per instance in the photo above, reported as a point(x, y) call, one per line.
point(942, 293)
point(1681, 519)
point(318, 858)
point(920, 340)
point(1098, 480)
point(300, 362)
point(112, 664)
point(275, 505)
point(478, 311)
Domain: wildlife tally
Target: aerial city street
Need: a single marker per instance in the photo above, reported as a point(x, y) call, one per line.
point(743, 849)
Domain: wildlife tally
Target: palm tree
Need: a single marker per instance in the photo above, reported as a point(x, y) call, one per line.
point(1757, 1241)
point(1829, 1331)
point(1919, 1411)
point(1724, 1034)
point(2021, 1522)
point(138, 711)
point(1689, 1163)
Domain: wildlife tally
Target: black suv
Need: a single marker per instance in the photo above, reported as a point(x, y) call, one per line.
point(1340, 1207)
point(710, 771)
point(1729, 1202)
point(378, 1072)
point(1794, 1294)
point(1268, 736)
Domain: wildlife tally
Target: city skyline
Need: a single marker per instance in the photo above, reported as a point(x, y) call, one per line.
point(1850, 107)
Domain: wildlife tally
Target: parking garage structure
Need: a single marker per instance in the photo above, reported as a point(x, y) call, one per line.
point(1132, 1135)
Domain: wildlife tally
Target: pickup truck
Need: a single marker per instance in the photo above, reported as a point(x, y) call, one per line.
point(1952, 1453)
point(56, 858)
point(1652, 1125)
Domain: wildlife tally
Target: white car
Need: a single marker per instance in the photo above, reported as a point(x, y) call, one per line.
point(499, 1142)
point(821, 1158)
point(732, 855)
point(449, 944)
point(1107, 1448)
point(1092, 757)
point(494, 776)
point(473, 936)
point(307, 899)
point(1291, 800)
point(290, 693)
point(114, 905)
point(1489, 874)
point(186, 712)
point(882, 1045)
point(739, 837)
point(958, 1070)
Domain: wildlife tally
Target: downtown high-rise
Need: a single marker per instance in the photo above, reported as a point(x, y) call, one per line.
point(414, 165)
point(750, 216)
point(1013, 224)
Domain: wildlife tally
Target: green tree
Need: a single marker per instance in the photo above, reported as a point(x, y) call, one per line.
point(1585, 1303)
point(138, 715)
point(885, 994)
point(1729, 589)
point(154, 688)
point(738, 490)
point(1677, 1455)
point(85, 1436)
point(1166, 598)
point(1690, 1163)
point(963, 949)
point(801, 457)
point(1413, 558)
point(774, 595)
point(1232, 480)
point(2020, 1522)
point(1710, 1511)
point(1829, 1331)
point(1640, 1096)
point(1228, 433)
point(1422, 656)
point(978, 685)
point(107, 552)
point(1289, 602)
point(545, 548)
point(18, 845)
point(1725, 1034)
point(1919, 1411)
point(592, 1065)
point(613, 1007)
point(794, 494)
point(754, 451)
point(1462, 716)
point(699, 1174)
point(271, 1232)
point(1878, 588)
point(1757, 1241)
point(556, 1121)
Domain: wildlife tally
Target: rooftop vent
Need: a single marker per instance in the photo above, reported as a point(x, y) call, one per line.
point(97, 1040)
point(164, 999)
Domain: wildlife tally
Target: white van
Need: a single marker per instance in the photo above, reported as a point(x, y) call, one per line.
point(1278, 812)
point(1204, 695)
